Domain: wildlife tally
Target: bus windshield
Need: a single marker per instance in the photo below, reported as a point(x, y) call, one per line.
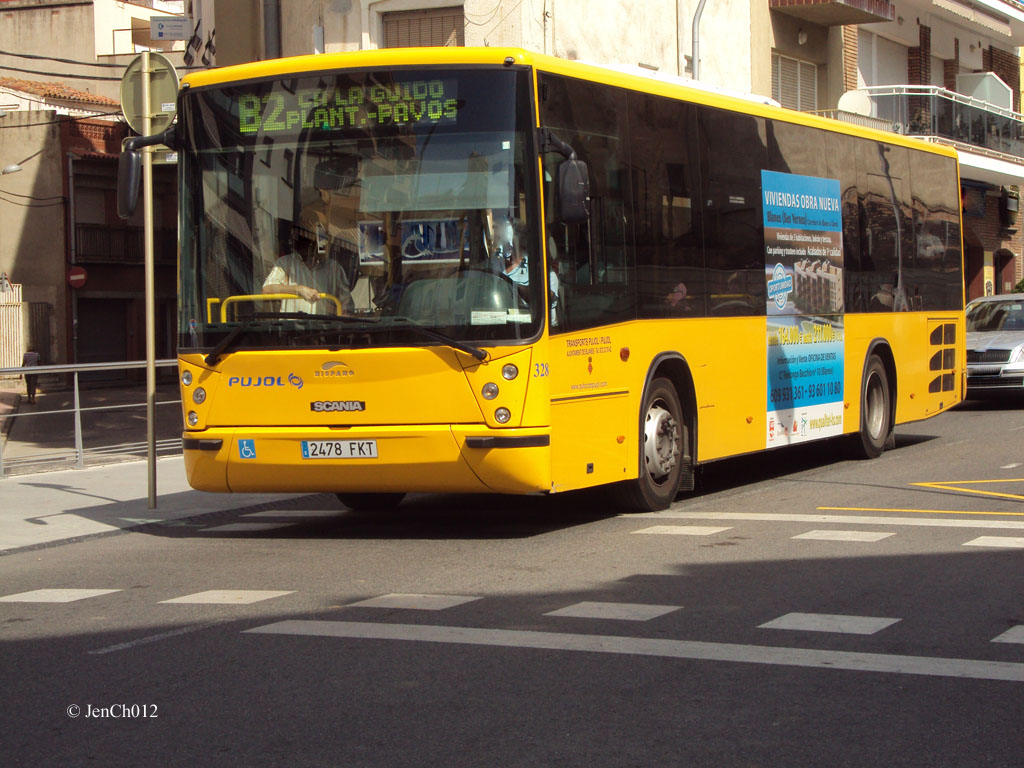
point(343, 209)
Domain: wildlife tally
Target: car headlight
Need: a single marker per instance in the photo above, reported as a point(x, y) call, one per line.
point(1018, 355)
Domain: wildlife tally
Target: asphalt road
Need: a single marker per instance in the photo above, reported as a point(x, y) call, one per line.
point(802, 610)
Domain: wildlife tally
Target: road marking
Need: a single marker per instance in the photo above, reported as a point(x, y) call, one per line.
point(621, 611)
point(639, 646)
point(1012, 635)
point(55, 595)
point(414, 602)
point(245, 527)
point(295, 513)
point(1008, 542)
point(953, 485)
point(153, 638)
point(866, 536)
point(227, 597)
point(827, 622)
point(922, 511)
point(837, 519)
point(1011, 466)
point(683, 530)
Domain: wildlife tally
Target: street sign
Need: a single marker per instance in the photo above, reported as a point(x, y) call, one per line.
point(169, 28)
point(163, 92)
point(77, 276)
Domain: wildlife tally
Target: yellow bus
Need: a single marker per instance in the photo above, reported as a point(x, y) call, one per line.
point(487, 270)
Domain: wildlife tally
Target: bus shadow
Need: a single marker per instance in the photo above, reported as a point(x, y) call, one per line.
point(741, 471)
point(420, 516)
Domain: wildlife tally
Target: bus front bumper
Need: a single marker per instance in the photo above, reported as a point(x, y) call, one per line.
point(425, 458)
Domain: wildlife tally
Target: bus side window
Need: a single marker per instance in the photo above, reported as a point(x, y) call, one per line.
point(936, 261)
point(666, 204)
point(595, 258)
point(733, 152)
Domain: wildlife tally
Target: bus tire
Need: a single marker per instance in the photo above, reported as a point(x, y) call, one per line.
point(662, 435)
point(371, 502)
point(875, 411)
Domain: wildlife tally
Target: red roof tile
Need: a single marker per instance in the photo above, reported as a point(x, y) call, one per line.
point(56, 91)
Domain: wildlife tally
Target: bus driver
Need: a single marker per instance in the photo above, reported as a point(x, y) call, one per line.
point(306, 272)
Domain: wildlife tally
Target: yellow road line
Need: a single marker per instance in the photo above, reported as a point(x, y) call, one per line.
point(919, 511)
point(951, 485)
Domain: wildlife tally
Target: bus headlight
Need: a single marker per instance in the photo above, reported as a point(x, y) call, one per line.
point(186, 378)
point(502, 415)
point(509, 372)
point(489, 390)
point(193, 418)
point(199, 396)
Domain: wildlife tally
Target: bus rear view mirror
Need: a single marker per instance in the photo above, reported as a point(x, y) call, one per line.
point(129, 172)
point(573, 192)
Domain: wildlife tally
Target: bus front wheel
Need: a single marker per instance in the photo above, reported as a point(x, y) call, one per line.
point(371, 502)
point(875, 411)
point(662, 433)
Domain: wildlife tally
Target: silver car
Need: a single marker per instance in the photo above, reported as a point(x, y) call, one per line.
point(995, 344)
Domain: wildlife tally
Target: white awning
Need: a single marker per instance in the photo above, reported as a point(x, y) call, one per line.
point(991, 170)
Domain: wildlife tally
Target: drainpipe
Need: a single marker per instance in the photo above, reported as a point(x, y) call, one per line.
point(679, 64)
point(72, 256)
point(695, 54)
point(271, 29)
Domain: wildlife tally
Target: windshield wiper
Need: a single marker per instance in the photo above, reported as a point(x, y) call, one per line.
point(228, 341)
point(462, 346)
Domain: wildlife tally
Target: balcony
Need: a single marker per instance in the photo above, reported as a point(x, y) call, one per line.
point(972, 125)
point(830, 13)
point(98, 244)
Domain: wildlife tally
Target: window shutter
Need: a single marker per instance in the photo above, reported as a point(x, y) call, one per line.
point(794, 83)
point(435, 27)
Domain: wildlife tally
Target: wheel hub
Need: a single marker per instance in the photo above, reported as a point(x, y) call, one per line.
point(661, 442)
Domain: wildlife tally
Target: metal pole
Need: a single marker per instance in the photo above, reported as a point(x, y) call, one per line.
point(79, 450)
point(147, 204)
point(695, 52)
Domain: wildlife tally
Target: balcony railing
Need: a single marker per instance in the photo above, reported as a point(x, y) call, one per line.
point(924, 110)
point(123, 245)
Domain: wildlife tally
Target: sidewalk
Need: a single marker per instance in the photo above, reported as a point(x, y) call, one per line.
point(49, 507)
point(41, 436)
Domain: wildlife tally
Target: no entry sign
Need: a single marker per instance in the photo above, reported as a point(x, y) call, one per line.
point(77, 276)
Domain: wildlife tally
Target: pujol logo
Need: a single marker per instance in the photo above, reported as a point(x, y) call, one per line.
point(264, 381)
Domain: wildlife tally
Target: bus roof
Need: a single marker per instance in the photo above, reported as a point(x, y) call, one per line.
point(638, 79)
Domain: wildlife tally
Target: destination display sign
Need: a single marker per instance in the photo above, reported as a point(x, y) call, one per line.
point(332, 108)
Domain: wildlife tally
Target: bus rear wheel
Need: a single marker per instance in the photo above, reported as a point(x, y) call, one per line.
point(662, 435)
point(875, 411)
point(371, 502)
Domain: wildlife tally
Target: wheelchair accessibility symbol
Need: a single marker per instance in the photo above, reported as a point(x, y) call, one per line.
point(247, 449)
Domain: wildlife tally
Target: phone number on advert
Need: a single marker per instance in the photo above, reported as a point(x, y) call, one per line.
point(803, 391)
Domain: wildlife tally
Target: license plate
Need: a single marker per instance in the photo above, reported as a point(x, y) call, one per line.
point(339, 449)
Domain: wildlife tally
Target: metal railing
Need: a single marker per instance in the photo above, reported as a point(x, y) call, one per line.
point(928, 110)
point(79, 451)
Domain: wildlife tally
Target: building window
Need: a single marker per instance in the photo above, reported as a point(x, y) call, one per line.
point(794, 83)
point(434, 27)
